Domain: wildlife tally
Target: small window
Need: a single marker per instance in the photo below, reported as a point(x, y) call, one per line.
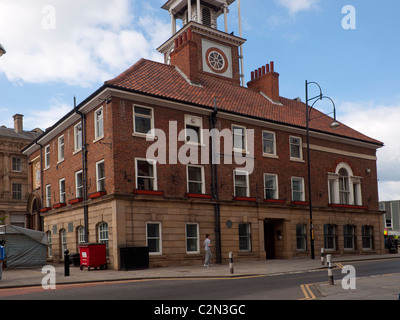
point(239, 138)
point(195, 179)
point(79, 184)
point(48, 196)
point(99, 123)
point(61, 148)
point(295, 148)
point(81, 235)
point(16, 164)
point(269, 143)
point(17, 191)
point(103, 235)
point(63, 236)
point(49, 245)
point(100, 176)
point(298, 189)
point(301, 237)
point(78, 137)
point(367, 238)
point(143, 120)
point(153, 235)
point(146, 175)
point(270, 186)
point(349, 237)
point(192, 238)
point(330, 236)
point(193, 127)
point(241, 183)
point(47, 157)
point(244, 236)
point(62, 191)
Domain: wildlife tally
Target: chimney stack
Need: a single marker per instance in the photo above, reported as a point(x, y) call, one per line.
point(265, 80)
point(185, 56)
point(18, 123)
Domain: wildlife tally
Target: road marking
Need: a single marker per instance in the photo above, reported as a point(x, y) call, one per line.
point(339, 265)
point(308, 294)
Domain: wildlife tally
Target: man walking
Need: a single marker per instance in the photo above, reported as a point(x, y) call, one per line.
point(2, 256)
point(207, 245)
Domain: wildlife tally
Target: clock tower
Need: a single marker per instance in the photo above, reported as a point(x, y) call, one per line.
point(199, 47)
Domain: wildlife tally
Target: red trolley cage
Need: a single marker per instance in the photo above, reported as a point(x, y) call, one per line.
point(93, 255)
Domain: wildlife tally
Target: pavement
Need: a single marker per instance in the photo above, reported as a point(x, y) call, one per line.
point(384, 287)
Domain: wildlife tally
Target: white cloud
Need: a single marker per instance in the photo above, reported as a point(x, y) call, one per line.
point(46, 118)
point(91, 41)
point(295, 6)
point(380, 122)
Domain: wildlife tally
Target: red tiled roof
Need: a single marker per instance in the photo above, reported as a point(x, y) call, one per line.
point(164, 81)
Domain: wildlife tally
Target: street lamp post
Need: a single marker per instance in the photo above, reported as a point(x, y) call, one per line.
point(334, 126)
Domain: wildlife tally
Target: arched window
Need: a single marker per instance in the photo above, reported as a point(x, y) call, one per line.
point(103, 234)
point(344, 188)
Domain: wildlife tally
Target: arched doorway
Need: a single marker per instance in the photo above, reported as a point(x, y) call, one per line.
point(33, 219)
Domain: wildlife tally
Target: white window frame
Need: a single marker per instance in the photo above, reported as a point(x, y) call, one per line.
point(300, 145)
point(197, 238)
point(159, 238)
point(197, 122)
point(81, 235)
point(64, 242)
point(49, 245)
point(48, 196)
point(99, 180)
point(269, 154)
point(355, 186)
point(151, 117)
point(62, 192)
point(103, 233)
point(245, 173)
point(47, 157)
point(78, 137)
point(244, 149)
point(77, 187)
point(16, 164)
point(301, 237)
point(97, 121)
point(151, 162)
point(61, 148)
point(276, 192)
point(303, 197)
point(203, 184)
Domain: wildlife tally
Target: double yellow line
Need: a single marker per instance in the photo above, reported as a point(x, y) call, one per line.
point(308, 294)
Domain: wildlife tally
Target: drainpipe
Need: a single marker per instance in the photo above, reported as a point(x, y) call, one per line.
point(214, 186)
point(84, 172)
point(41, 184)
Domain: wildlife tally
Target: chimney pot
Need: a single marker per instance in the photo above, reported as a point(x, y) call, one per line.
point(272, 66)
point(267, 67)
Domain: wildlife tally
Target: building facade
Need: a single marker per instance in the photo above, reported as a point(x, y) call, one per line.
point(14, 187)
point(166, 153)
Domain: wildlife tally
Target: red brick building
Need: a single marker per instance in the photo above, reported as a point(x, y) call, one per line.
point(134, 164)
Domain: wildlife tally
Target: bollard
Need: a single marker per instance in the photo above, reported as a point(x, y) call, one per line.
point(330, 269)
point(66, 263)
point(322, 256)
point(231, 262)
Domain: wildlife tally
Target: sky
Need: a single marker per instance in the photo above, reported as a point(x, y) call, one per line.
point(58, 49)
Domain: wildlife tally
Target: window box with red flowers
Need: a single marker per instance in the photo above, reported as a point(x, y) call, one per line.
point(44, 210)
point(249, 199)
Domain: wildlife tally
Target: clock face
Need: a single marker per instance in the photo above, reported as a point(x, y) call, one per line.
point(216, 60)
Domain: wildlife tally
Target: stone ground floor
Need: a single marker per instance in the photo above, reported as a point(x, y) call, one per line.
point(174, 229)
